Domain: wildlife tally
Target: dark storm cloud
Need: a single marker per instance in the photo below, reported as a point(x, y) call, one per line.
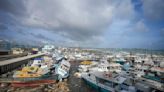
point(78, 20)
point(74, 22)
point(11, 14)
point(40, 36)
point(162, 32)
point(153, 9)
point(74, 19)
point(3, 27)
point(15, 7)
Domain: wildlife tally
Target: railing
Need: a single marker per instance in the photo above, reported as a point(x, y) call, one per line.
point(154, 78)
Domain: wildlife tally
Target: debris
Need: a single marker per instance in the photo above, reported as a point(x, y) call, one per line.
point(77, 74)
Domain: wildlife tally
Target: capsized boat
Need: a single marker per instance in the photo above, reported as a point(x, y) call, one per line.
point(62, 69)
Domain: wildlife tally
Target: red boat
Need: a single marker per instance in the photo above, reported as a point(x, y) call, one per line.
point(32, 83)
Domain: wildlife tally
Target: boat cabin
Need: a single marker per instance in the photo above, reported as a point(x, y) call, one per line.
point(111, 67)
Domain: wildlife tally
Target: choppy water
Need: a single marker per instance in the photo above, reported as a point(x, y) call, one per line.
point(77, 84)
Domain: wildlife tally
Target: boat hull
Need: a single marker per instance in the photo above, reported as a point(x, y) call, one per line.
point(32, 83)
point(96, 87)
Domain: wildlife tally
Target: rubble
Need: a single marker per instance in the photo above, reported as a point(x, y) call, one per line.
point(77, 74)
point(55, 87)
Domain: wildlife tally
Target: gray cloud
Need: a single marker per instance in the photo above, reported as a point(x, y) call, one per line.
point(78, 20)
point(3, 27)
point(162, 32)
point(40, 36)
point(153, 9)
point(15, 7)
point(140, 26)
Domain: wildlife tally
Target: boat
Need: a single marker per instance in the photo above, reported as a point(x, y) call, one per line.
point(106, 67)
point(31, 72)
point(85, 65)
point(62, 69)
point(106, 82)
point(34, 50)
point(35, 83)
point(48, 48)
point(120, 60)
point(153, 80)
point(37, 62)
point(126, 66)
point(155, 74)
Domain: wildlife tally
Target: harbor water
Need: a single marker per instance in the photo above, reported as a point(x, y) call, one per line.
point(77, 84)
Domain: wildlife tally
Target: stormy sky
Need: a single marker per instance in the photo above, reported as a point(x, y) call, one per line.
point(84, 23)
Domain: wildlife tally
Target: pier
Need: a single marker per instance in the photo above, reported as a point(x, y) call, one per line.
point(6, 57)
point(10, 64)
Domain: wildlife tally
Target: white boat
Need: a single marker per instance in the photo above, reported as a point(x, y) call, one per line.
point(37, 62)
point(106, 82)
point(62, 69)
point(83, 68)
point(107, 67)
point(48, 48)
point(87, 67)
point(102, 66)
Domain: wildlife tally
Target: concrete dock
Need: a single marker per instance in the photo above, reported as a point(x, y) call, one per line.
point(8, 65)
point(10, 56)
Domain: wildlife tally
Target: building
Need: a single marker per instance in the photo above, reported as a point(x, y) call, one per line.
point(5, 47)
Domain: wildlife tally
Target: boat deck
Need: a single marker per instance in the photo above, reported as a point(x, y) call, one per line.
point(113, 77)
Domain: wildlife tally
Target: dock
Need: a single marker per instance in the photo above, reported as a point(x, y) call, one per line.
point(10, 56)
point(10, 64)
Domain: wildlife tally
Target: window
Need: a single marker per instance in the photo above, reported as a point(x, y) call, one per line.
point(105, 82)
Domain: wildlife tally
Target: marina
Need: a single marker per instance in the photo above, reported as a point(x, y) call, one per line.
point(81, 45)
point(94, 72)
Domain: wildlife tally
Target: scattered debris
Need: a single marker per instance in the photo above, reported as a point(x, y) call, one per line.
point(52, 87)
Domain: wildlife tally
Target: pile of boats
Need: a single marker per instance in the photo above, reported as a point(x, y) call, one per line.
point(44, 70)
point(38, 68)
point(107, 76)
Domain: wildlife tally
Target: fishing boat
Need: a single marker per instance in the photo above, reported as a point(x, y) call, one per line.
point(152, 81)
point(37, 62)
point(107, 67)
point(155, 74)
point(31, 72)
point(35, 83)
point(126, 66)
point(62, 69)
point(120, 60)
point(106, 82)
point(85, 65)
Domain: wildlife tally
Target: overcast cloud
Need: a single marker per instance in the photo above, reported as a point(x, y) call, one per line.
point(77, 22)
